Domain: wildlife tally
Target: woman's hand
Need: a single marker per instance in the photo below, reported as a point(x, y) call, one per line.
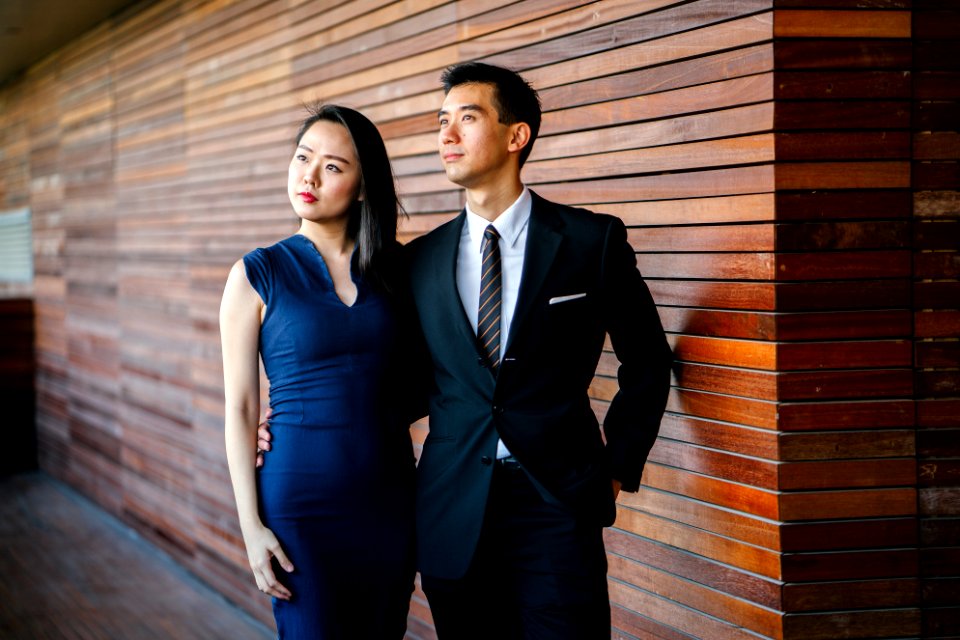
point(262, 547)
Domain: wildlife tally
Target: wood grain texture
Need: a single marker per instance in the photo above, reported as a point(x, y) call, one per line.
point(892, 593)
point(892, 623)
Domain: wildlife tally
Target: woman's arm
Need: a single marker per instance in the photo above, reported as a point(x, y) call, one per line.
point(240, 315)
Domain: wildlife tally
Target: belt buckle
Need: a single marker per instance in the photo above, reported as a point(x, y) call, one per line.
point(509, 463)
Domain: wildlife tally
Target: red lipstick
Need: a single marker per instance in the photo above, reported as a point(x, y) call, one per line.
point(307, 197)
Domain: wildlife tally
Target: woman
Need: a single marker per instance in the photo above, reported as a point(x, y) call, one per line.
point(328, 520)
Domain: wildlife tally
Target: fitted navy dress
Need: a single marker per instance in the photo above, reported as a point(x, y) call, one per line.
point(337, 486)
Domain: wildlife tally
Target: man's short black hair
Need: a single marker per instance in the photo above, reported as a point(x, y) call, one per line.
point(513, 97)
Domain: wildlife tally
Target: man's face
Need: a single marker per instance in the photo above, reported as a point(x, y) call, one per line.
point(474, 145)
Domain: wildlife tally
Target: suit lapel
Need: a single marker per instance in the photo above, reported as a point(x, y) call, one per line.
point(543, 242)
point(448, 303)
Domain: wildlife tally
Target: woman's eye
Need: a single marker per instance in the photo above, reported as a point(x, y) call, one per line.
point(333, 168)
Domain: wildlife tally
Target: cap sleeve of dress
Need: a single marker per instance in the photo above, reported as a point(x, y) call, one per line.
point(260, 273)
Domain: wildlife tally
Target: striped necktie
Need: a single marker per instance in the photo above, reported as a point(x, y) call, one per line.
point(488, 318)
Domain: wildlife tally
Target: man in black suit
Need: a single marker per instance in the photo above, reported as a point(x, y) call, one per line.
point(515, 482)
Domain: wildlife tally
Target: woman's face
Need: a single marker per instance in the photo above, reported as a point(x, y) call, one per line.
point(324, 175)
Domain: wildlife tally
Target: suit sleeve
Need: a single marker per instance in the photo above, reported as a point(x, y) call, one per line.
point(634, 415)
point(416, 372)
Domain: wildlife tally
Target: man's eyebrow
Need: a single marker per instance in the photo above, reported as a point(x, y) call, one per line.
point(463, 107)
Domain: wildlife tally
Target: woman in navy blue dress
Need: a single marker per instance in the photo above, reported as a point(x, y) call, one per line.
point(328, 520)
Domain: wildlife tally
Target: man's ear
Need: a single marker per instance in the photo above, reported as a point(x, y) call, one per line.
point(519, 137)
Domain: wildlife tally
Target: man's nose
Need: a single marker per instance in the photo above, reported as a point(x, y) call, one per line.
point(449, 134)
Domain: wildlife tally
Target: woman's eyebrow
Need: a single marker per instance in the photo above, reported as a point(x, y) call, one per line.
point(331, 157)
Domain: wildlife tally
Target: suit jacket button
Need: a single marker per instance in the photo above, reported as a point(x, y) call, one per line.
point(486, 461)
point(497, 410)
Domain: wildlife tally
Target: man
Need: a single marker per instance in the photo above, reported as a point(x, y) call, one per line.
point(514, 298)
point(514, 482)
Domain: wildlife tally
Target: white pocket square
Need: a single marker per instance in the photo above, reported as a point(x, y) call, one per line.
point(559, 299)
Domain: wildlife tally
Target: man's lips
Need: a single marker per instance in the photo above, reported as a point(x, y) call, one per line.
point(451, 155)
point(306, 196)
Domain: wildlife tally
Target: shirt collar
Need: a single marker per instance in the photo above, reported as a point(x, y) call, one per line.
point(508, 224)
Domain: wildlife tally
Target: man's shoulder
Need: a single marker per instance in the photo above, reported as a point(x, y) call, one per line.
point(434, 237)
point(575, 219)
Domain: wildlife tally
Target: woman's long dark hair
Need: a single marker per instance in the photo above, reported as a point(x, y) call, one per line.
point(373, 220)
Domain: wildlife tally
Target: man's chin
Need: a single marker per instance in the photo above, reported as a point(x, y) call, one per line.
point(457, 177)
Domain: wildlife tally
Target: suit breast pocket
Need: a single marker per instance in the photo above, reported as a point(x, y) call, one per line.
point(573, 322)
point(569, 308)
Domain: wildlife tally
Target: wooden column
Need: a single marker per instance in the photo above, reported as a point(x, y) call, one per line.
point(936, 306)
point(846, 472)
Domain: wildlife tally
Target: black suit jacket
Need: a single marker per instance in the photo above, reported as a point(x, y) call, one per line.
point(538, 402)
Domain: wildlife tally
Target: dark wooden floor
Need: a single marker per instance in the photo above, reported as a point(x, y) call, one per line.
point(70, 571)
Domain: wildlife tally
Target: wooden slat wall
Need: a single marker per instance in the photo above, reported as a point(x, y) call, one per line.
point(759, 151)
point(846, 472)
point(95, 438)
point(936, 306)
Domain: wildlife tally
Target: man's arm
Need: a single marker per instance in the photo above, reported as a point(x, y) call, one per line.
point(413, 371)
point(631, 319)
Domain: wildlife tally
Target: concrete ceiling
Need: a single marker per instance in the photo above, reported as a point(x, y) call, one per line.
point(31, 29)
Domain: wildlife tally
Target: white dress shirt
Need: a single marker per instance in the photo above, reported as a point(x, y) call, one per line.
point(512, 226)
